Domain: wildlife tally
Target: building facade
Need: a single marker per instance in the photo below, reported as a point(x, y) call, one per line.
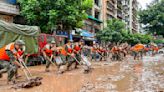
point(125, 10)
point(8, 10)
point(133, 17)
point(94, 22)
point(130, 9)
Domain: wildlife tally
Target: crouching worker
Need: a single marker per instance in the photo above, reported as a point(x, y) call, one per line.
point(48, 53)
point(8, 56)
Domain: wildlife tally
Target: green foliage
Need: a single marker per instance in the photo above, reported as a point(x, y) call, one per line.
point(153, 18)
point(49, 13)
point(116, 32)
point(159, 41)
point(112, 32)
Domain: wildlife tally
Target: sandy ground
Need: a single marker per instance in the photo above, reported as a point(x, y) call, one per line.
point(146, 75)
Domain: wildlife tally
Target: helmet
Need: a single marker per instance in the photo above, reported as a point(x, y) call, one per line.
point(53, 42)
point(19, 42)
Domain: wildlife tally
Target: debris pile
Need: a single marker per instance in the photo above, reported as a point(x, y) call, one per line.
point(28, 84)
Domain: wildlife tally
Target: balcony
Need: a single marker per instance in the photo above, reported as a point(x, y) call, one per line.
point(113, 1)
point(7, 8)
point(110, 7)
point(119, 14)
point(111, 13)
point(119, 7)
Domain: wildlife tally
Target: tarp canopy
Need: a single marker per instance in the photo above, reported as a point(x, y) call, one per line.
point(9, 32)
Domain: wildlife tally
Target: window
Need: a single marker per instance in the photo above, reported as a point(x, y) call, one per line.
point(97, 14)
point(97, 2)
point(96, 30)
point(110, 16)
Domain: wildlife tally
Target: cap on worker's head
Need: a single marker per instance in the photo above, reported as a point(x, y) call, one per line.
point(19, 42)
point(53, 42)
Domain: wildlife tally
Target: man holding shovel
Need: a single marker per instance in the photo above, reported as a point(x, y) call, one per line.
point(48, 53)
point(8, 57)
point(77, 51)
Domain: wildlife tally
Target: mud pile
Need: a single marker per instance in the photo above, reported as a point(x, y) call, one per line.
point(28, 84)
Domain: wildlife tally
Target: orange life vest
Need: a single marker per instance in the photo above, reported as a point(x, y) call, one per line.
point(155, 48)
point(146, 49)
point(3, 54)
point(48, 52)
point(69, 50)
point(77, 48)
point(93, 49)
point(63, 52)
point(115, 49)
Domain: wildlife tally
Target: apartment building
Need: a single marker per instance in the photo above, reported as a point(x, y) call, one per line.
point(120, 12)
point(125, 10)
point(8, 10)
point(109, 10)
point(130, 8)
point(94, 22)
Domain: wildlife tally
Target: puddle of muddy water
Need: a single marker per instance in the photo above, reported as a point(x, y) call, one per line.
point(149, 79)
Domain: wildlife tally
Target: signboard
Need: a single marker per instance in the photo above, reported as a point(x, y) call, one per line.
point(61, 33)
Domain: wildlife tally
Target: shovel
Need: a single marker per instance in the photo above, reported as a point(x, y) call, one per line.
point(86, 67)
point(31, 82)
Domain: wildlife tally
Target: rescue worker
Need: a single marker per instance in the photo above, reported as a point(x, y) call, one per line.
point(8, 56)
point(101, 52)
point(77, 51)
point(138, 51)
point(146, 50)
point(61, 59)
point(94, 52)
point(49, 53)
point(155, 50)
point(70, 58)
point(115, 53)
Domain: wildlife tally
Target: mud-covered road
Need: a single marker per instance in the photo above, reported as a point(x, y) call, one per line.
point(146, 75)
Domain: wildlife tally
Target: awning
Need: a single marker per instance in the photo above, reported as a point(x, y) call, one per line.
point(89, 39)
point(86, 34)
point(95, 19)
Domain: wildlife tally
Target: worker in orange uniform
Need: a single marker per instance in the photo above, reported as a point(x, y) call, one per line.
point(70, 58)
point(115, 53)
point(9, 55)
point(49, 53)
point(77, 51)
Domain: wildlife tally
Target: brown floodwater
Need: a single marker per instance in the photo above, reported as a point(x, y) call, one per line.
point(145, 75)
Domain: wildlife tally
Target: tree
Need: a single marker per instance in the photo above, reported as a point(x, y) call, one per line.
point(112, 32)
point(116, 32)
point(49, 13)
point(153, 18)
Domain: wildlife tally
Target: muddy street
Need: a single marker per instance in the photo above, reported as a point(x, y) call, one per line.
point(145, 75)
